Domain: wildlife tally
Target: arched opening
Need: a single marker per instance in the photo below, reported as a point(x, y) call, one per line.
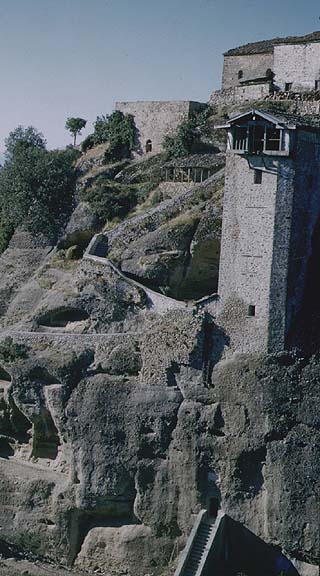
point(213, 497)
point(148, 146)
point(269, 74)
point(214, 506)
point(240, 74)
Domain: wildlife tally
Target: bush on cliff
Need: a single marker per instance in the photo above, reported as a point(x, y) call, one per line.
point(109, 200)
point(188, 135)
point(36, 185)
point(118, 130)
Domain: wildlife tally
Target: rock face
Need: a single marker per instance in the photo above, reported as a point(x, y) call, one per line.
point(174, 248)
point(120, 420)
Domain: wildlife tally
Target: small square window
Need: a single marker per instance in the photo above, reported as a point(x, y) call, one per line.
point(288, 86)
point(251, 310)
point(257, 176)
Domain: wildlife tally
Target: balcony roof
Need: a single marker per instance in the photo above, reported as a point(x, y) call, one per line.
point(280, 120)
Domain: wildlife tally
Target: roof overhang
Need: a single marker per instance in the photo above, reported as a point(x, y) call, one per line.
point(278, 122)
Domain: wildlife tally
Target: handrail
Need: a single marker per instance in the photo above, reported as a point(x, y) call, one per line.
point(209, 544)
point(184, 557)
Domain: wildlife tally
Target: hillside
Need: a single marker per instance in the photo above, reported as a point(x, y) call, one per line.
point(120, 414)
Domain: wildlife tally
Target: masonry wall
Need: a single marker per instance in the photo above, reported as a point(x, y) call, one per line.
point(305, 215)
point(239, 94)
point(246, 254)
point(253, 66)
point(155, 120)
point(283, 223)
point(297, 63)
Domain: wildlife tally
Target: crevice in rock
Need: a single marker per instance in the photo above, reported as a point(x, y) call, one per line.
point(83, 521)
point(46, 440)
point(171, 372)
point(248, 470)
point(207, 354)
point(21, 425)
point(62, 317)
point(6, 446)
point(42, 375)
point(5, 377)
point(218, 422)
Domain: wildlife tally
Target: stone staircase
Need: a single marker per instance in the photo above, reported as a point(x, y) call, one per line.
point(200, 541)
point(198, 550)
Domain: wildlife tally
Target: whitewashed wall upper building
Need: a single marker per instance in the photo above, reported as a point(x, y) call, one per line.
point(252, 71)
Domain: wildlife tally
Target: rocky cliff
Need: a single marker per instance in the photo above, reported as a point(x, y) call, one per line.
point(120, 416)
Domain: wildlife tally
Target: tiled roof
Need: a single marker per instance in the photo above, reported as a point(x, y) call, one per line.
point(266, 46)
point(197, 161)
point(279, 116)
point(307, 121)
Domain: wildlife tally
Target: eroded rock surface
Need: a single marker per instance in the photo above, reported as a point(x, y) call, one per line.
point(122, 419)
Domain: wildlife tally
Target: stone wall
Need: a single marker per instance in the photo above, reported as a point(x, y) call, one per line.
point(240, 94)
point(252, 66)
point(297, 63)
point(247, 266)
point(305, 215)
point(155, 120)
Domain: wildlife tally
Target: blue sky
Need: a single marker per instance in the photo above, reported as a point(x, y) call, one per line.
point(65, 58)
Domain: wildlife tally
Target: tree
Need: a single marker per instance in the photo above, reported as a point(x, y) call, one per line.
point(119, 130)
point(75, 125)
point(36, 185)
point(180, 144)
point(23, 138)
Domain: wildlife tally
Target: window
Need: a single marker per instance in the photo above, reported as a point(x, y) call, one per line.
point(240, 74)
point(269, 74)
point(273, 139)
point(240, 138)
point(317, 85)
point(148, 146)
point(257, 176)
point(251, 310)
point(288, 86)
point(256, 138)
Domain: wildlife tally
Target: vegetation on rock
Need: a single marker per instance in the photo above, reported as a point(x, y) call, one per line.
point(36, 185)
point(118, 130)
point(10, 351)
point(109, 200)
point(189, 134)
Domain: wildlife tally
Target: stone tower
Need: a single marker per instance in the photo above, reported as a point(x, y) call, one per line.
point(271, 207)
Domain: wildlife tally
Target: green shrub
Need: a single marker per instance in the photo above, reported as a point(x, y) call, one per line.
point(109, 200)
point(11, 351)
point(188, 134)
point(119, 130)
point(87, 143)
point(144, 189)
point(6, 231)
point(36, 185)
point(180, 144)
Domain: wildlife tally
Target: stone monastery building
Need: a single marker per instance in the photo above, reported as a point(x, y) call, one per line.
point(155, 120)
point(255, 70)
point(272, 187)
point(291, 63)
point(270, 211)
